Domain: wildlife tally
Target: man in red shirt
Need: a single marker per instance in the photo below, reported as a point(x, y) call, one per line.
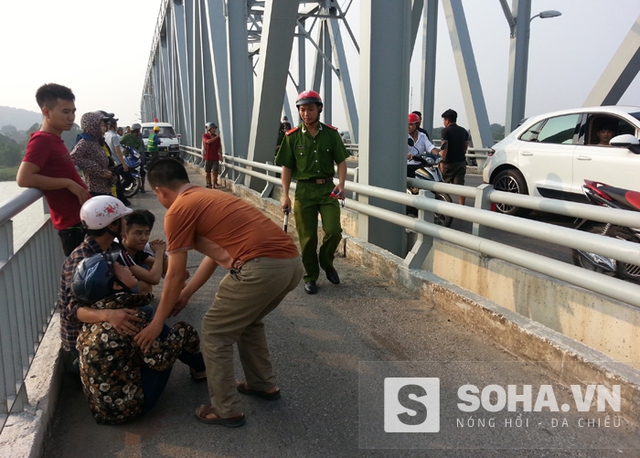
point(212, 153)
point(47, 165)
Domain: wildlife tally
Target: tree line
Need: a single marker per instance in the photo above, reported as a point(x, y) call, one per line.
point(13, 143)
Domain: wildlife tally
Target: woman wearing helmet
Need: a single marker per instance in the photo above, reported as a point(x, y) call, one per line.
point(308, 154)
point(103, 220)
point(119, 381)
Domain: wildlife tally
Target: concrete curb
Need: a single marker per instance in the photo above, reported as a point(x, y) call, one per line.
point(568, 361)
point(25, 432)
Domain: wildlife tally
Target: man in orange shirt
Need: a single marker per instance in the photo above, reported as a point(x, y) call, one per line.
point(264, 266)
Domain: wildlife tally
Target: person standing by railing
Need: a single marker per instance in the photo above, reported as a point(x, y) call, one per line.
point(212, 154)
point(47, 165)
point(455, 141)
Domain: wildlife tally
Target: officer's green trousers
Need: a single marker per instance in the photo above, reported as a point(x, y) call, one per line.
point(310, 200)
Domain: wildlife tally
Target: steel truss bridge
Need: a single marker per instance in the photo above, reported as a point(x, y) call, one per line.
point(231, 61)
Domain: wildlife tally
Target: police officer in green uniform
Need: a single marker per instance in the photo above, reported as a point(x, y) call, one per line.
point(307, 155)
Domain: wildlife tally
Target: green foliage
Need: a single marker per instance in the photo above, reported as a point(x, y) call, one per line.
point(497, 131)
point(69, 137)
point(10, 152)
point(8, 173)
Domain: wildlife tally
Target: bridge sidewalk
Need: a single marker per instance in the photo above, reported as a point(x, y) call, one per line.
point(323, 347)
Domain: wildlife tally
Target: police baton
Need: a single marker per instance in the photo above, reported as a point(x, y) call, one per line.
point(285, 222)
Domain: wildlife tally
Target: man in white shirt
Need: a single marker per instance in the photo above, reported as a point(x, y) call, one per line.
point(419, 145)
point(113, 142)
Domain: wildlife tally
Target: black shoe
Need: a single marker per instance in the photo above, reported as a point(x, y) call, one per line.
point(310, 287)
point(332, 275)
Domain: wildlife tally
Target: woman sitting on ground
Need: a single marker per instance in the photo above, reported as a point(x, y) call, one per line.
point(119, 381)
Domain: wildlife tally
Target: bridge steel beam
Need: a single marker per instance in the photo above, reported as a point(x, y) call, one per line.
point(429, 49)
point(519, 20)
point(239, 77)
point(279, 25)
point(344, 77)
point(182, 53)
point(475, 106)
point(218, 47)
point(620, 73)
point(384, 97)
point(196, 74)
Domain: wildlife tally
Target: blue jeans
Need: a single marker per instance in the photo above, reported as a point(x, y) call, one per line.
point(154, 382)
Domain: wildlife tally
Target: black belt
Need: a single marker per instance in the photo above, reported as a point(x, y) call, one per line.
point(316, 180)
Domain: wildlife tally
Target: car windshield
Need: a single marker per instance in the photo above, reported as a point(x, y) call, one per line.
point(165, 131)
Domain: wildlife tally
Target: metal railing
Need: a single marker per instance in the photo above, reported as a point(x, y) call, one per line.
point(482, 218)
point(29, 279)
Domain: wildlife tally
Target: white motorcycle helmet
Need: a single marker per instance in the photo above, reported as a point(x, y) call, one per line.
point(100, 211)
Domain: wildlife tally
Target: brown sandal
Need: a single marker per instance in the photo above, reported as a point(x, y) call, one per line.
point(205, 411)
point(242, 388)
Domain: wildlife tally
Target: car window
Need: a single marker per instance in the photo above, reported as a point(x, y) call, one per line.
point(167, 132)
point(616, 125)
point(531, 134)
point(559, 130)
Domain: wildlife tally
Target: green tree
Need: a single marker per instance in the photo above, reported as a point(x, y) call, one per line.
point(9, 152)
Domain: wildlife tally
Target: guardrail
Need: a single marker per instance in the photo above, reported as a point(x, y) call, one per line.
point(29, 281)
point(482, 218)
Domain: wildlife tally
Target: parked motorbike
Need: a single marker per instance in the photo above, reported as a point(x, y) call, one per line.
point(131, 181)
point(612, 197)
point(430, 171)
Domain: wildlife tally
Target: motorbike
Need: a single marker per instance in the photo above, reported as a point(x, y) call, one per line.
point(429, 171)
point(611, 197)
point(131, 181)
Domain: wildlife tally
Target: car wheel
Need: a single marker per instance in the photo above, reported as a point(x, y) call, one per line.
point(443, 220)
point(511, 180)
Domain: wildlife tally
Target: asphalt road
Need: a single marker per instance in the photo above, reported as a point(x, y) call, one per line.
point(332, 353)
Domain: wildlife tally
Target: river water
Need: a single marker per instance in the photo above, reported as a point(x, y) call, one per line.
point(27, 221)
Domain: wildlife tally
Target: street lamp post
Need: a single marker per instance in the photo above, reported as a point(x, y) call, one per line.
point(519, 57)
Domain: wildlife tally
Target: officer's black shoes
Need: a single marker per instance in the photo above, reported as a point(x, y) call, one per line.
point(310, 287)
point(332, 275)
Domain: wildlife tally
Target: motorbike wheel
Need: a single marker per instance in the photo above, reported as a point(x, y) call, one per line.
point(580, 257)
point(511, 180)
point(443, 220)
point(133, 188)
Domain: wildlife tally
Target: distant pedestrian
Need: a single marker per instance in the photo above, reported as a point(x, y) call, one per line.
point(133, 139)
point(420, 129)
point(47, 165)
point(212, 154)
point(121, 169)
point(152, 143)
point(455, 141)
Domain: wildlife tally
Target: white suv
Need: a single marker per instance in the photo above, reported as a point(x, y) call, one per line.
point(551, 155)
point(169, 141)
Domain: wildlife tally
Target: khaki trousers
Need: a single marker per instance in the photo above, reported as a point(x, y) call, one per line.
point(243, 299)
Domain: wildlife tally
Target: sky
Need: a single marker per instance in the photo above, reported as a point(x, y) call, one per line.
point(101, 51)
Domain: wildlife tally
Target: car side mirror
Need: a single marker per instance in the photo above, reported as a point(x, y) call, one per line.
point(626, 141)
point(410, 141)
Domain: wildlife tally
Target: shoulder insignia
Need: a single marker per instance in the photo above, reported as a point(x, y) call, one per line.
point(289, 132)
point(331, 127)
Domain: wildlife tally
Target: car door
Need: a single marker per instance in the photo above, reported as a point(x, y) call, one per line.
point(546, 158)
point(612, 165)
